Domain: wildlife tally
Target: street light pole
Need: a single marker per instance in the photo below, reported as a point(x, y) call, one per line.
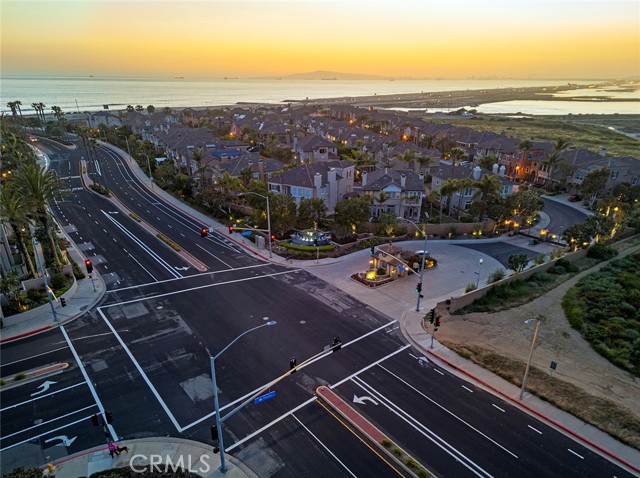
point(44, 277)
point(526, 371)
point(215, 390)
point(149, 166)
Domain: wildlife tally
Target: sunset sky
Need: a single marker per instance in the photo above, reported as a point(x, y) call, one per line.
point(401, 38)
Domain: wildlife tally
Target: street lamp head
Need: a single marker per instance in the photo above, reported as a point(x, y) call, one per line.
point(272, 322)
point(481, 261)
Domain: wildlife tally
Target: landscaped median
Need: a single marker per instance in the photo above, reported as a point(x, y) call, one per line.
point(31, 375)
point(364, 426)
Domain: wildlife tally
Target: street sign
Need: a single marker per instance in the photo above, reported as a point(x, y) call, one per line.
point(246, 233)
point(265, 397)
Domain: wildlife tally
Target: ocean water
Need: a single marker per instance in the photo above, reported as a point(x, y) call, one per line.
point(74, 94)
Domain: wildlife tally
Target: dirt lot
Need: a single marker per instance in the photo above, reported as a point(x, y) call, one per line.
point(487, 337)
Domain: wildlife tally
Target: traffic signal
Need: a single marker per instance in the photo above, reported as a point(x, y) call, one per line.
point(88, 265)
point(109, 417)
point(419, 287)
point(230, 229)
point(432, 317)
point(372, 250)
point(437, 323)
point(337, 344)
point(292, 365)
point(273, 237)
point(214, 434)
point(203, 232)
point(95, 421)
point(63, 301)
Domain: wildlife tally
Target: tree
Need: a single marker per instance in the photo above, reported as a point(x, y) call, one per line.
point(488, 185)
point(38, 188)
point(210, 198)
point(151, 109)
point(22, 472)
point(167, 111)
point(388, 222)
point(577, 236)
point(407, 157)
point(164, 174)
point(443, 145)
point(130, 109)
point(463, 184)
point(15, 210)
point(139, 108)
point(497, 209)
point(594, 183)
point(487, 162)
point(448, 188)
point(525, 204)
point(282, 209)
point(352, 212)
point(517, 262)
point(380, 199)
point(311, 213)
point(424, 161)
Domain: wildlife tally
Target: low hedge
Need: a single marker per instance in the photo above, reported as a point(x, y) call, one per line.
point(295, 247)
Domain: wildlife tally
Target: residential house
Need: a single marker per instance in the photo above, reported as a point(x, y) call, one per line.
point(397, 192)
point(326, 180)
point(315, 148)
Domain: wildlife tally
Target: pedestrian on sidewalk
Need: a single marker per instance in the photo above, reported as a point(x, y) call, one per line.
point(113, 449)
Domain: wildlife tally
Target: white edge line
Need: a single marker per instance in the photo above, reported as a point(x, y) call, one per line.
point(41, 396)
point(535, 430)
point(466, 388)
point(346, 379)
point(498, 407)
point(49, 421)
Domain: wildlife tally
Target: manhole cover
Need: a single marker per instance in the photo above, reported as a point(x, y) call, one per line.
point(303, 321)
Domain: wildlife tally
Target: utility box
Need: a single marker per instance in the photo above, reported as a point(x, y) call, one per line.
point(260, 242)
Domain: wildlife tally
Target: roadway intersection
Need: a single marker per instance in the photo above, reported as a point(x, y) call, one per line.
point(143, 354)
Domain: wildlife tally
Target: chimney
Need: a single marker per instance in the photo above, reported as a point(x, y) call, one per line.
point(477, 172)
point(364, 178)
point(403, 181)
point(331, 176)
point(501, 171)
point(494, 168)
point(317, 182)
point(261, 174)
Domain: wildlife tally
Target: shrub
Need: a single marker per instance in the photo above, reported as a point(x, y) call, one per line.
point(35, 295)
point(568, 265)
point(386, 442)
point(540, 259)
point(453, 232)
point(77, 272)
point(470, 287)
point(422, 473)
point(601, 251)
point(496, 275)
point(411, 463)
point(19, 376)
point(397, 451)
point(59, 281)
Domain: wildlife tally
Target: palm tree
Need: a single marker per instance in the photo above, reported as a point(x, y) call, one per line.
point(486, 186)
point(424, 162)
point(197, 157)
point(41, 107)
point(407, 156)
point(553, 159)
point(448, 188)
point(18, 104)
point(38, 187)
point(130, 109)
point(381, 198)
point(14, 109)
point(443, 144)
point(15, 210)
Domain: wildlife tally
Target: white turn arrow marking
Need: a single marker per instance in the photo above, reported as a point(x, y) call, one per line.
point(65, 440)
point(180, 268)
point(361, 400)
point(45, 386)
point(113, 212)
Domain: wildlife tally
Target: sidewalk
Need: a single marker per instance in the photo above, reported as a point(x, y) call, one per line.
point(167, 453)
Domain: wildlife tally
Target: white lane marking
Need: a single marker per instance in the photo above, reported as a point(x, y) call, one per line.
point(467, 388)
point(49, 421)
point(182, 235)
point(498, 407)
point(460, 457)
point(143, 268)
point(436, 370)
point(445, 409)
point(270, 424)
point(166, 294)
point(142, 373)
point(535, 430)
point(46, 433)
point(195, 275)
point(33, 356)
point(324, 446)
point(114, 436)
point(214, 256)
point(142, 245)
point(42, 396)
point(377, 362)
point(579, 456)
point(247, 395)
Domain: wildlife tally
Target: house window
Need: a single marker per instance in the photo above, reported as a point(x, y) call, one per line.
point(274, 187)
point(580, 175)
point(324, 190)
point(468, 191)
point(322, 151)
point(634, 181)
point(297, 192)
point(307, 193)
